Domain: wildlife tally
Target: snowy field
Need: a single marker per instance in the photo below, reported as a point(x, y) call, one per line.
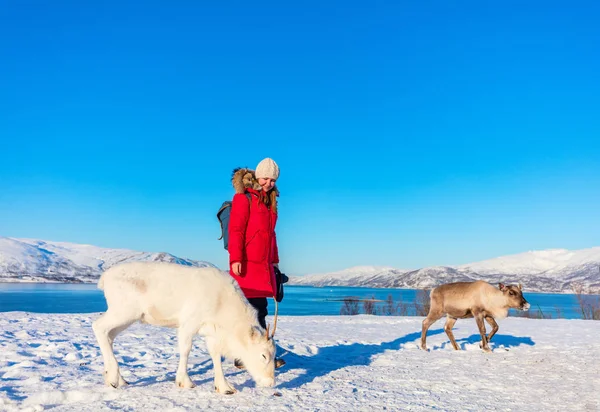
point(52, 362)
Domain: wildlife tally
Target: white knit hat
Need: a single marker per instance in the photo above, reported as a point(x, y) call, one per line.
point(267, 168)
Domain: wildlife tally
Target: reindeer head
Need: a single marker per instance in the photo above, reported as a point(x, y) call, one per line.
point(514, 296)
point(259, 356)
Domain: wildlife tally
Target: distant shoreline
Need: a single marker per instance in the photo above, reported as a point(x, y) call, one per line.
point(3, 282)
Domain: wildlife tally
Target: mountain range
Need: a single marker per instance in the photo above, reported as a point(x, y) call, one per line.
point(552, 270)
point(32, 260)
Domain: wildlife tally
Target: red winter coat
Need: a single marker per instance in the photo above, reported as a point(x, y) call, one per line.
point(252, 239)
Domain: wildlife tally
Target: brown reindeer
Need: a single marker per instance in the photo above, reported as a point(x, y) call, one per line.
point(476, 299)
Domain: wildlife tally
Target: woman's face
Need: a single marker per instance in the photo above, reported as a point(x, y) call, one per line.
point(266, 184)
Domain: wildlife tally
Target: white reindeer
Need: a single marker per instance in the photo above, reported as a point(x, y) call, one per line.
point(203, 301)
point(477, 299)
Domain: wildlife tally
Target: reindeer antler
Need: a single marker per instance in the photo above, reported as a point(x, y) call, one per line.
point(274, 321)
point(274, 324)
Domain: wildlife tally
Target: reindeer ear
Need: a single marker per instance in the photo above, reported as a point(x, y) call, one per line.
point(501, 286)
point(520, 287)
point(255, 333)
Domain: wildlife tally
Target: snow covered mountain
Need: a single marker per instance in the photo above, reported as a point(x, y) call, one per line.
point(373, 276)
point(553, 270)
point(31, 260)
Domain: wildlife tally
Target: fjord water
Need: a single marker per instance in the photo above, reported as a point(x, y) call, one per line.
point(298, 300)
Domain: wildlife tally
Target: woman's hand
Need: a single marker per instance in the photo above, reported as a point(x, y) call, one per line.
point(236, 268)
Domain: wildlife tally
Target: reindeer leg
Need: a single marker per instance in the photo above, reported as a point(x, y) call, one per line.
point(494, 326)
point(431, 318)
point(221, 384)
point(106, 328)
point(184, 338)
point(448, 329)
point(481, 325)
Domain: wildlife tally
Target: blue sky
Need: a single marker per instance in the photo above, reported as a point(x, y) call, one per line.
point(407, 134)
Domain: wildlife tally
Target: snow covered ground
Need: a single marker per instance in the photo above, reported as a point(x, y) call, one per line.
point(52, 362)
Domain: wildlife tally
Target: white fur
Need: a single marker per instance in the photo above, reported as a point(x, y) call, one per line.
point(206, 301)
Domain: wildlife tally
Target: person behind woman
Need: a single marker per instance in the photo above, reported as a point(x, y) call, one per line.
point(253, 252)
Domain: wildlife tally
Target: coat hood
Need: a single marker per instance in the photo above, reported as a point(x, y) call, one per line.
point(244, 178)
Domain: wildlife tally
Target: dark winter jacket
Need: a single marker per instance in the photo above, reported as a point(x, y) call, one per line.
point(252, 239)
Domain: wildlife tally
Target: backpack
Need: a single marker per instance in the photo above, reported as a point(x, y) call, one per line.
point(223, 216)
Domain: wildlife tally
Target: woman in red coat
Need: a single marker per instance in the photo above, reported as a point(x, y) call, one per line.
point(252, 245)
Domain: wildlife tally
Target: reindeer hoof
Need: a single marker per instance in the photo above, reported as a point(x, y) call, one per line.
point(228, 390)
point(113, 383)
point(485, 348)
point(186, 384)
